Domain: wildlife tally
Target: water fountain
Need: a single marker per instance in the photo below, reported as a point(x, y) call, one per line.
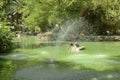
point(70, 31)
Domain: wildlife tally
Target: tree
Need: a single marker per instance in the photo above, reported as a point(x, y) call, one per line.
point(104, 16)
point(44, 13)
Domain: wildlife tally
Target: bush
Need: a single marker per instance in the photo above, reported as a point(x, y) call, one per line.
point(6, 43)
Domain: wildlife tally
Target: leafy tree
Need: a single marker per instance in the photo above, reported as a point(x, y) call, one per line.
point(44, 13)
point(104, 15)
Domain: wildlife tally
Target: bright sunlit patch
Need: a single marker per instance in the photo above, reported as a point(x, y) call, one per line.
point(86, 56)
point(16, 56)
point(97, 61)
point(109, 76)
point(44, 52)
point(94, 79)
point(100, 56)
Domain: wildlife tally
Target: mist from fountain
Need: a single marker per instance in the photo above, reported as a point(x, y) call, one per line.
point(69, 29)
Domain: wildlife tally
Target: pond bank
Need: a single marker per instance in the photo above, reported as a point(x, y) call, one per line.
point(48, 36)
point(101, 38)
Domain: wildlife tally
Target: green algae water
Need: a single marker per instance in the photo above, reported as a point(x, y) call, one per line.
point(99, 61)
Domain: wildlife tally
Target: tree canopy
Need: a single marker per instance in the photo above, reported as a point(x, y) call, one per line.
point(104, 16)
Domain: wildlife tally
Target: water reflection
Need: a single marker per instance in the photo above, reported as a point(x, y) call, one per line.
point(40, 70)
point(53, 73)
point(7, 68)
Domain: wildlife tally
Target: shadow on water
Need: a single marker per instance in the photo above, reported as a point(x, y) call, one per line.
point(63, 71)
point(7, 69)
point(60, 70)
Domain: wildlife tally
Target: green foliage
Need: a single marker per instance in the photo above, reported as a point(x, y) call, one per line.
point(27, 42)
point(6, 43)
point(104, 15)
point(43, 13)
point(6, 69)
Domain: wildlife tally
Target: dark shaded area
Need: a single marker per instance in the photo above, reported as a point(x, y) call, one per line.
point(57, 70)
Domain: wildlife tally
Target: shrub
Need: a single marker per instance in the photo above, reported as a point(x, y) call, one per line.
point(6, 43)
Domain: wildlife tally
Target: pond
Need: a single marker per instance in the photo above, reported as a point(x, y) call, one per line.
point(99, 61)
